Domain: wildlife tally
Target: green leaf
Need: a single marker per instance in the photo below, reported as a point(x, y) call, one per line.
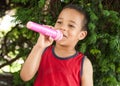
point(92, 26)
point(95, 51)
point(93, 16)
point(41, 3)
point(106, 13)
point(83, 47)
point(118, 70)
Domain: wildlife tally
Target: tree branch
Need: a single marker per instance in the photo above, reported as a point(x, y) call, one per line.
point(10, 62)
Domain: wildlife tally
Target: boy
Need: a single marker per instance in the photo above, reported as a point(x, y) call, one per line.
point(61, 64)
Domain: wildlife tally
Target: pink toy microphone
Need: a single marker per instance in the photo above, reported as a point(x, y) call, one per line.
point(55, 34)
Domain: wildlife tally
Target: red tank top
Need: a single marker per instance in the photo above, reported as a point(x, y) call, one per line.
point(56, 71)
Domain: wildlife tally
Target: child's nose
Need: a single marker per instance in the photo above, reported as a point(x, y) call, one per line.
point(63, 28)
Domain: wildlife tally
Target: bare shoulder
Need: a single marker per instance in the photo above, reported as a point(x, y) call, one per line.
point(87, 77)
point(87, 63)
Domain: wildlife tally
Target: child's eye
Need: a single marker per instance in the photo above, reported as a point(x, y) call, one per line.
point(59, 22)
point(71, 26)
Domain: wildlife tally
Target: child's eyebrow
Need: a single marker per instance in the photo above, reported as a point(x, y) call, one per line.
point(60, 18)
point(73, 22)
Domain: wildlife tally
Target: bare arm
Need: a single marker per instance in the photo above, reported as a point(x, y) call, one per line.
point(32, 62)
point(87, 77)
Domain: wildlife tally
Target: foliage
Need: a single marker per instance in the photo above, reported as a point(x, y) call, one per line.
point(18, 82)
point(102, 45)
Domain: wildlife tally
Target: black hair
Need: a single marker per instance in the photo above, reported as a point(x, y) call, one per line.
point(81, 11)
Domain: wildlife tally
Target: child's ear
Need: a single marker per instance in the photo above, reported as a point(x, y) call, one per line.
point(82, 35)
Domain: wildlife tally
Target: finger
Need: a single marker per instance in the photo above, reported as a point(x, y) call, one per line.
point(51, 39)
point(49, 26)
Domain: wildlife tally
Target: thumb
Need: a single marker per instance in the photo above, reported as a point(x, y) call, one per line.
point(51, 39)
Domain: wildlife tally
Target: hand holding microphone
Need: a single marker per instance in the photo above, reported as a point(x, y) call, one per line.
point(55, 34)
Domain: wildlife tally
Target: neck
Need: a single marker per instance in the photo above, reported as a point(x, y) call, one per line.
point(64, 51)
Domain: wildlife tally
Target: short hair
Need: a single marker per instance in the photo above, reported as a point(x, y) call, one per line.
point(81, 11)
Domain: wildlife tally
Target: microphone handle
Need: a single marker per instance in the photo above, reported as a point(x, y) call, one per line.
point(55, 34)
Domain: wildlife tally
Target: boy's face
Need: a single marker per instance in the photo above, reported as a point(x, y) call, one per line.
point(70, 23)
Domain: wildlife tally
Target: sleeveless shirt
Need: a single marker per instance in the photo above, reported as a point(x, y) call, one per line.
point(56, 71)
